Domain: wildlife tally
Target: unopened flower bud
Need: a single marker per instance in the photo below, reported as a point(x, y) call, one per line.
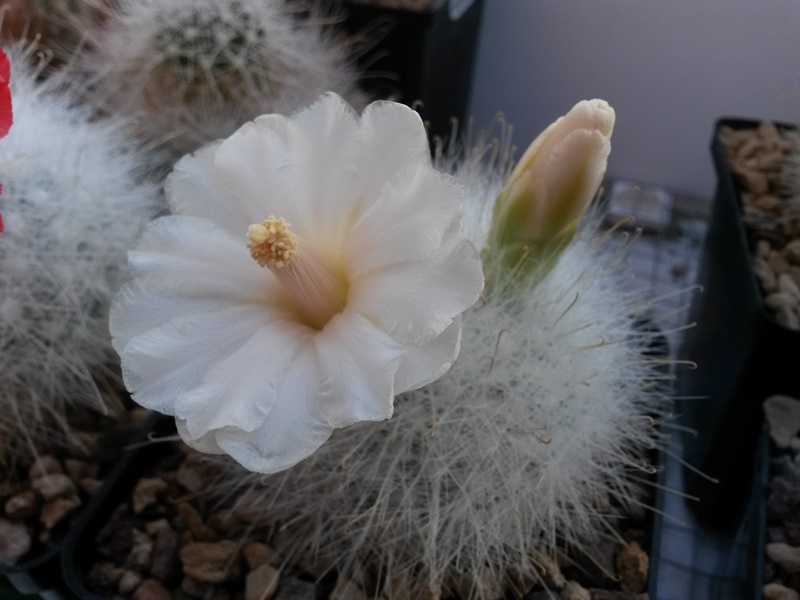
point(538, 211)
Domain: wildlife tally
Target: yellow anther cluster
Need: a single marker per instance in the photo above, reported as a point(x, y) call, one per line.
point(271, 244)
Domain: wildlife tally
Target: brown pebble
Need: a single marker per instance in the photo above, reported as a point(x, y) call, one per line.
point(778, 300)
point(256, 554)
point(765, 275)
point(15, 541)
point(82, 444)
point(56, 510)
point(521, 581)
point(22, 506)
point(776, 591)
point(151, 589)
point(549, 570)
point(787, 285)
point(769, 203)
point(194, 523)
point(262, 583)
point(189, 474)
point(777, 263)
point(153, 527)
point(316, 564)
point(79, 469)
point(128, 582)
point(787, 318)
point(575, 591)
point(141, 551)
point(794, 273)
point(632, 568)
point(165, 561)
point(399, 586)
point(138, 416)
point(45, 465)
point(54, 485)
point(211, 562)
point(146, 493)
point(752, 180)
point(782, 414)
point(791, 252)
point(90, 486)
point(221, 522)
point(250, 509)
point(785, 556)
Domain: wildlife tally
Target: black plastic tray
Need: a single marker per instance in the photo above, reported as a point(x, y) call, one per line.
point(418, 57)
point(742, 354)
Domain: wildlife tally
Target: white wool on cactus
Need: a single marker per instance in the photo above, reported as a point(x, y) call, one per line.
point(313, 269)
point(73, 201)
point(192, 71)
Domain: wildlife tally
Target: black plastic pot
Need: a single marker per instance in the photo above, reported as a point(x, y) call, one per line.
point(40, 576)
point(78, 551)
point(742, 355)
point(40, 573)
point(418, 57)
point(758, 528)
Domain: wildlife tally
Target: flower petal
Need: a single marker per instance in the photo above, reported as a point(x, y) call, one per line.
point(241, 390)
point(393, 138)
point(358, 363)
point(192, 257)
point(138, 308)
point(427, 364)
point(194, 190)
point(409, 220)
point(258, 168)
point(207, 443)
point(160, 364)
point(415, 302)
point(293, 430)
point(302, 169)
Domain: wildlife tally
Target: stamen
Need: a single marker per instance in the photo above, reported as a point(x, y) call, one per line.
point(271, 244)
point(317, 286)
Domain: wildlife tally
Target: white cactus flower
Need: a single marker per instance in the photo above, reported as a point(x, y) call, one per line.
point(312, 270)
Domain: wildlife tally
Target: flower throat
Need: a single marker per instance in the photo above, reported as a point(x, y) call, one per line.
point(318, 291)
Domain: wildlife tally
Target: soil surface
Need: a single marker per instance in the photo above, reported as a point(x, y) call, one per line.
point(170, 538)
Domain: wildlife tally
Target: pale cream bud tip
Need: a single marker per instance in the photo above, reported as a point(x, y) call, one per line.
point(271, 244)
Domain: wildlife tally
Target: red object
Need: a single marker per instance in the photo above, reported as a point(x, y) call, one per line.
point(5, 95)
point(6, 116)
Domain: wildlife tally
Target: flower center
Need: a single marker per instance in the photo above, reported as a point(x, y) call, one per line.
point(317, 288)
point(271, 243)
